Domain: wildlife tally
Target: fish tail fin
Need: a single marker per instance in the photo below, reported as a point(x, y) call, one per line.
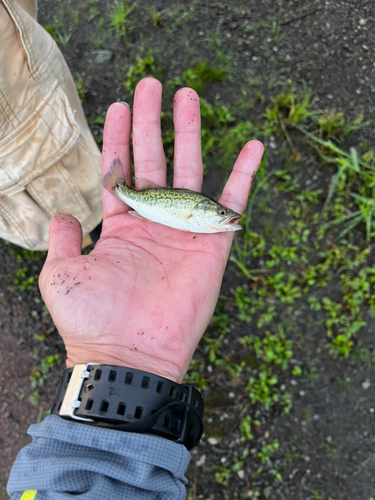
point(114, 176)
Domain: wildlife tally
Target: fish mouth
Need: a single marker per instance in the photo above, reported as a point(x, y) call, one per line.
point(232, 219)
point(231, 222)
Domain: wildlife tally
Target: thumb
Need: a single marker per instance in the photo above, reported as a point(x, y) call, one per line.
point(65, 237)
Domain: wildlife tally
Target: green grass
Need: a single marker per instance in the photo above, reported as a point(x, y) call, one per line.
point(59, 34)
point(158, 17)
point(91, 9)
point(364, 356)
point(120, 20)
point(199, 75)
point(81, 90)
point(144, 66)
point(23, 282)
point(23, 255)
point(40, 375)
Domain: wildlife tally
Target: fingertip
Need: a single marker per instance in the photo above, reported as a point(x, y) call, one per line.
point(149, 80)
point(148, 91)
point(64, 220)
point(255, 146)
point(118, 105)
point(186, 111)
point(117, 123)
point(186, 91)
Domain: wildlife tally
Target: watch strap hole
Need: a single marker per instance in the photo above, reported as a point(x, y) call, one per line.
point(138, 412)
point(160, 387)
point(98, 374)
point(104, 406)
point(145, 382)
point(121, 409)
point(89, 404)
point(112, 376)
point(129, 378)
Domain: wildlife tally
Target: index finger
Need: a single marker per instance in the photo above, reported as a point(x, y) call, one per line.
point(236, 190)
point(116, 144)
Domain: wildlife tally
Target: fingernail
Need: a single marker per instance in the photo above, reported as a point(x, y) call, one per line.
point(126, 104)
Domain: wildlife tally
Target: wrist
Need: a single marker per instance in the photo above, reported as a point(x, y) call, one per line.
point(135, 359)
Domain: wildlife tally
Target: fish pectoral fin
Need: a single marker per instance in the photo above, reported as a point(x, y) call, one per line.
point(186, 217)
point(143, 184)
point(135, 214)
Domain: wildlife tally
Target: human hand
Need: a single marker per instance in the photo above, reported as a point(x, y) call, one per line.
point(145, 295)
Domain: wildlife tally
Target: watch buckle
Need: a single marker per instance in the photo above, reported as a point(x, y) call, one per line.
point(71, 402)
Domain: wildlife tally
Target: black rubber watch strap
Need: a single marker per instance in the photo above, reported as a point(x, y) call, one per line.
point(131, 400)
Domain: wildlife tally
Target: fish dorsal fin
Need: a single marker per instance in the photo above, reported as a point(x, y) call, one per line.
point(143, 184)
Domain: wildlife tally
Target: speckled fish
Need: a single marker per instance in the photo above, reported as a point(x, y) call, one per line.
point(178, 208)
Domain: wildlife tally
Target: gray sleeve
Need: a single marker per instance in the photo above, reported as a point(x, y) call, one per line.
point(68, 458)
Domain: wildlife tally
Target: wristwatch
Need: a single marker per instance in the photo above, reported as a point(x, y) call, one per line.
point(130, 400)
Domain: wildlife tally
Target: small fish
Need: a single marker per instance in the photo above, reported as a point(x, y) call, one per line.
point(178, 208)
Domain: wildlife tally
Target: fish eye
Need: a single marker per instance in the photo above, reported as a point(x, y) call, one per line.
point(222, 211)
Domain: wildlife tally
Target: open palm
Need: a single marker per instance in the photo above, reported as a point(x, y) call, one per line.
point(146, 293)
